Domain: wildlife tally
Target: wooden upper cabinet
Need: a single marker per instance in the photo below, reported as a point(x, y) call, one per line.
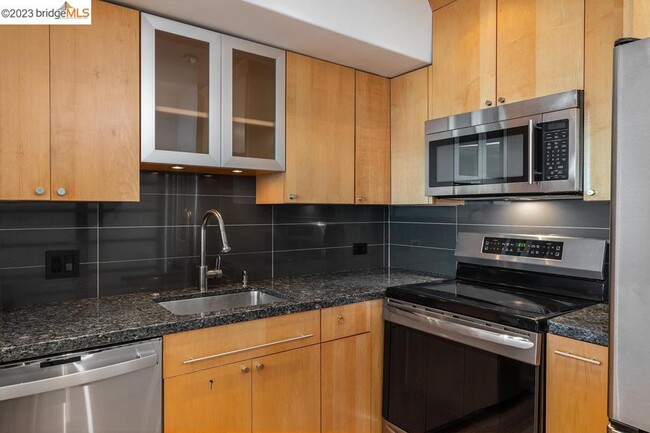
point(320, 131)
point(464, 58)
point(95, 107)
point(540, 48)
point(24, 113)
point(216, 400)
point(576, 386)
point(603, 25)
point(637, 19)
point(372, 153)
point(408, 112)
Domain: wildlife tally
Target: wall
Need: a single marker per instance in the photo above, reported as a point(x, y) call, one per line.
point(424, 238)
point(154, 244)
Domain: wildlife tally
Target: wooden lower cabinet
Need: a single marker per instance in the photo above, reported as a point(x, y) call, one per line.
point(346, 385)
point(213, 400)
point(576, 386)
point(286, 391)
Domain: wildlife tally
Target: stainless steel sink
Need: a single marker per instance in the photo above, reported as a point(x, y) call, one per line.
point(206, 304)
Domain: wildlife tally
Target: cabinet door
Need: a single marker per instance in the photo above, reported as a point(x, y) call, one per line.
point(464, 58)
point(408, 112)
point(372, 153)
point(214, 400)
point(24, 113)
point(346, 385)
point(540, 48)
point(95, 122)
point(181, 93)
point(252, 110)
point(320, 131)
point(286, 391)
point(637, 19)
point(576, 386)
point(603, 25)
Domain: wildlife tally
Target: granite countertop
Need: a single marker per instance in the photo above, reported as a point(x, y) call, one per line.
point(590, 324)
point(44, 330)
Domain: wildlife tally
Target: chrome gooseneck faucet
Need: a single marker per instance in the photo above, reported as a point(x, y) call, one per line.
point(206, 273)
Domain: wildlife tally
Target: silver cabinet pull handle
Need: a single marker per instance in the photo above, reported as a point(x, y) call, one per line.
point(578, 358)
point(61, 192)
point(292, 196)
point(246, 349)
point(259, 366)
point(501, 99)
point(488, 103)
point(39, 191)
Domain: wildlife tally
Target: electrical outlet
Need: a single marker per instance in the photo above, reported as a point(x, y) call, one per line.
point(359, 249)
point(61, 264)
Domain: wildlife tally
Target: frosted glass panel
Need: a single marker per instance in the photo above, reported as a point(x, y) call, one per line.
point(182, 93)
point(253, 105)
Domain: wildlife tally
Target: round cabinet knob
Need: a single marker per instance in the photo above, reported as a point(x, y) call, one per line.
point(340, 320)
point(501, 99)
point(244, 369)
point(361, 199)
point(259, 366)
point(292, 196)
point(39, 191)
point(591, 192)
point(488, 103)
point(61, 191)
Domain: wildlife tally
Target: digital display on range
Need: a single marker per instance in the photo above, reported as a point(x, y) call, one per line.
point(551, 250)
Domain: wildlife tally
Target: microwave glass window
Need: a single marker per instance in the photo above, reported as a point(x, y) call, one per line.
point(494, 156)
point(441, 162)
point(445, 170)
point(516, 163)
point(469, 158)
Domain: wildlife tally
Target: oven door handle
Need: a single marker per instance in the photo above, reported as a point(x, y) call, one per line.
point(467, 331)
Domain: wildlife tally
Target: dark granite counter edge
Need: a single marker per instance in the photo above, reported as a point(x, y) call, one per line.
point(576, 333)
point(123, 336)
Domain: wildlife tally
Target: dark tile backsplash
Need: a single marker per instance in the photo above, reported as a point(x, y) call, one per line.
point(423, 238)
point(153, 245)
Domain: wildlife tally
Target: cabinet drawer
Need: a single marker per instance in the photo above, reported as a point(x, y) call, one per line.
point(345, 320)
point(190, 351)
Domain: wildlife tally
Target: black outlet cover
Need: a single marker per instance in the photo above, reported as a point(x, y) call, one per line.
point(359, 249)
point(61, 264)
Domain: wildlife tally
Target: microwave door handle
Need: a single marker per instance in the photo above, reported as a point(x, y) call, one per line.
point(531, 151)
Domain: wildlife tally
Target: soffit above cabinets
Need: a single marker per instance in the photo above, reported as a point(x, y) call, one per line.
point(385, 37)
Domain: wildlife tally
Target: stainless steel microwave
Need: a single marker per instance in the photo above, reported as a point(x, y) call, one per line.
point(527, 148)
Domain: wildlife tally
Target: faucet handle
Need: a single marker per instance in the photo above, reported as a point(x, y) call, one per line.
point(216, 272)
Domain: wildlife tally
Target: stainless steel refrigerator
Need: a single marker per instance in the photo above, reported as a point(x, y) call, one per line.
point(629, 381)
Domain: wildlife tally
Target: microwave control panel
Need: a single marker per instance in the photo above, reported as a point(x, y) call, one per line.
point(555, 148)
point(551, 250)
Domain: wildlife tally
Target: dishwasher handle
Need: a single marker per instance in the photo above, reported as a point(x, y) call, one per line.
point(76, 379)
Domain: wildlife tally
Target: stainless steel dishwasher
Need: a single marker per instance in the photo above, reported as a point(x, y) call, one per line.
point(117, 389)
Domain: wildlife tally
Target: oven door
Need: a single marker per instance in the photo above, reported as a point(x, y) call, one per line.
point(446, 374)
point(497, 158)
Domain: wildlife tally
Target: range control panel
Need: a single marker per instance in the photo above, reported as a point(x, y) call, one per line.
point(551, 250)
point(555, 148)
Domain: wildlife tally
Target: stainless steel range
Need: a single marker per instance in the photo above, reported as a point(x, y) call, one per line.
point(467, 355)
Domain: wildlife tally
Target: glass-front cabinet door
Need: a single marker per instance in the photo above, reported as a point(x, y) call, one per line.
point(253, 95)
point(181, 93)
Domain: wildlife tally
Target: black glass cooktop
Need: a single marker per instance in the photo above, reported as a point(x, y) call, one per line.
point(519, 308)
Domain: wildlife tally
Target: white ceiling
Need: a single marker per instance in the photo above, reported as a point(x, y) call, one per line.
point(386, 37)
